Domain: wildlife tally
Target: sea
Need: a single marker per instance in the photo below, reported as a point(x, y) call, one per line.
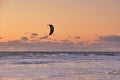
point(59, 65)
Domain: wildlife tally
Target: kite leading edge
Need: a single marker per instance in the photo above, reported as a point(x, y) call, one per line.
point(51, 29)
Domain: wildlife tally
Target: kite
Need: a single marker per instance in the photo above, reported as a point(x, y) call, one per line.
point(51, 29)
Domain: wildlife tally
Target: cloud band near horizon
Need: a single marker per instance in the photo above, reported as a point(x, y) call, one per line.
point(102, 43)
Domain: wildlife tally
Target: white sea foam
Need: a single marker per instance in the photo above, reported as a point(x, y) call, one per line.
point(59, 67)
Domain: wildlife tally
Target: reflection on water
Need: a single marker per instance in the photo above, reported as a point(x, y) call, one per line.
point(60, 67)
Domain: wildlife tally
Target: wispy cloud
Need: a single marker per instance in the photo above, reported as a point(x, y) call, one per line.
point(33, 35)
point(66, 41)
point(103, 43)
point(44, 37)
point(77, 37)
point(24, 39)
point(110, 42)
point(110, 38)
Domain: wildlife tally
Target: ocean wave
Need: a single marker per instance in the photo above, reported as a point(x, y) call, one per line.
point(39, 62)
point(58, 55)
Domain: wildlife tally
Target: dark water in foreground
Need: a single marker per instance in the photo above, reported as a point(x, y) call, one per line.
point(59, 65)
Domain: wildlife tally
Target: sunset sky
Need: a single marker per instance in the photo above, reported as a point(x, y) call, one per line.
point(80, 25)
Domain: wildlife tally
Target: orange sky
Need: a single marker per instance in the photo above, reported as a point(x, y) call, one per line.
point(81, 18)
point(84, 18)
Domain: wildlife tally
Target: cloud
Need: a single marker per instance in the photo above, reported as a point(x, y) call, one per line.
point(110, 38)
point(0, 37)
point(44, 37)
point(6, 46)
point(80, 43)
point(77, 37)
point(110, 42)
point(66, 41)
point(33, 35)
point(18, 45)
point(103, 43)
point(24, 39)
